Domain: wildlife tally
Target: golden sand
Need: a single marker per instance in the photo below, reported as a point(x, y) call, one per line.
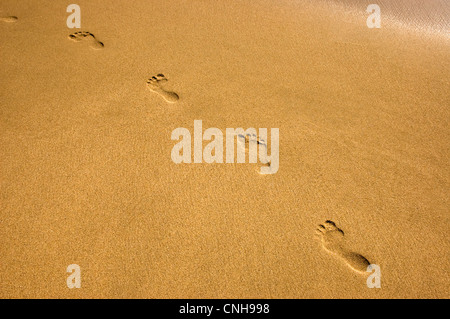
point(86, 175)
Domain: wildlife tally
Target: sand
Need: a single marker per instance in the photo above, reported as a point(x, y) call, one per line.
point(86, 175)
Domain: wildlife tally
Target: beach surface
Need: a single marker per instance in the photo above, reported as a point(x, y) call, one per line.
point(86, 175)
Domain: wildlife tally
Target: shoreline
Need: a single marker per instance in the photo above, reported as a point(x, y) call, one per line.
point(407, 15)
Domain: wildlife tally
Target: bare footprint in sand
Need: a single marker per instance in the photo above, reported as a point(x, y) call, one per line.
point(333, 241)
point(9, 19)
point(89, 37)
point(156, 83)
point(249, 140)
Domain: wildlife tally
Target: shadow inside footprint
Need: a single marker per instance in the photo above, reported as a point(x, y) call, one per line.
point(9, 19)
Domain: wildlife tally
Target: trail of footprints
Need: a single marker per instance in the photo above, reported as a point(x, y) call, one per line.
point(332, 239)
point(154, 84)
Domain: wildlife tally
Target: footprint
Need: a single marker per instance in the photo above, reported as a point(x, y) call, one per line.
point(155, 84)
point(333, 241)
point(9, 19)
point(245, 141)
point(93, 42)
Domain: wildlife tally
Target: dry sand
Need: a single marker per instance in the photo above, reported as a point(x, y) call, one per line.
point(86, 175)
